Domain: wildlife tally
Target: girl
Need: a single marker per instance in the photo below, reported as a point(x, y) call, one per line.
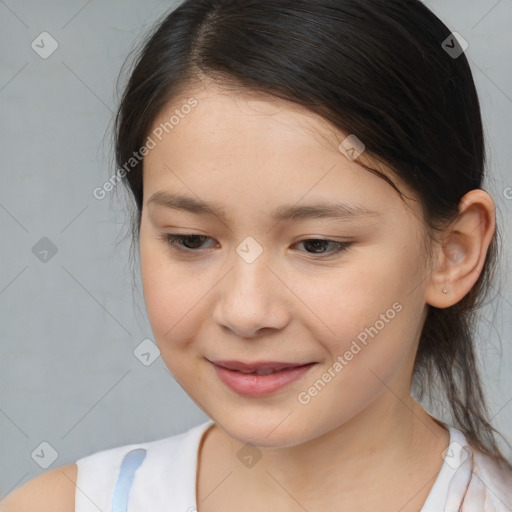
point(314, 239)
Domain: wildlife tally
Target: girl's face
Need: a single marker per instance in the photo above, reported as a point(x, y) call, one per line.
point(256, 288)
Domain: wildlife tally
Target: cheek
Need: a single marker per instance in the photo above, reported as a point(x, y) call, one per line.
point(170, 294)
point(173, 305)
point(367, 314)
point(374, 335)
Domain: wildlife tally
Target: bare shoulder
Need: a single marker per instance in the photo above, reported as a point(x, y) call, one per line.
point(53, 490)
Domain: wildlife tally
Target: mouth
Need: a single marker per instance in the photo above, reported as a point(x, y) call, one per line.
point(258, 379)
point(261, 368)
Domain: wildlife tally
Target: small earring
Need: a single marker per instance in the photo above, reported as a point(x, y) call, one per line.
point(445, 290)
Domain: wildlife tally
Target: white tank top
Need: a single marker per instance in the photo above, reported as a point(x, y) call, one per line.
point(160, 476)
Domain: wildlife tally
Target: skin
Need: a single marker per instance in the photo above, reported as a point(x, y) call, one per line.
point(363, 442)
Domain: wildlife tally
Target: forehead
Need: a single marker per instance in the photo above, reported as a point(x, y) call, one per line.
point(219, 110)
point(248, 141)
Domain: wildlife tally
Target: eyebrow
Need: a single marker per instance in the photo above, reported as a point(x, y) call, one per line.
point(321, 210)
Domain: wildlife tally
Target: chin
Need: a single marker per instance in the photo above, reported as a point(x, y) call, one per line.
point(267, 433)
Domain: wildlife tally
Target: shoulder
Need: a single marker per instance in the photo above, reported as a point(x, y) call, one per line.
point(90, 482)
point(494, 479)
point(470, 479)
point(52, 490)
point(136, 470)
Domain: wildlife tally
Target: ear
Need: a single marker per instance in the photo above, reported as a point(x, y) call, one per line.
point(461, 255)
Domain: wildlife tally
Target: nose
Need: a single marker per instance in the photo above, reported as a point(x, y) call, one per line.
point(252, 299)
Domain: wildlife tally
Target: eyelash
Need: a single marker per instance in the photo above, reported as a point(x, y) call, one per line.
point(173, 240)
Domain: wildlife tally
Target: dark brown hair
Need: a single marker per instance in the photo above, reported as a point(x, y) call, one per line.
point(374, 68)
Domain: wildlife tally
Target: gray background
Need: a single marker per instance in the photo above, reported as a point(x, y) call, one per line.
point(69, 326)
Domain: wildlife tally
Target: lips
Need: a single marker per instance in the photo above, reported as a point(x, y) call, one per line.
point(261, 368)
point(259, 379)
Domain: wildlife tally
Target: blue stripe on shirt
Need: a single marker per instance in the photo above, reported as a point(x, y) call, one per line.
point(132, 460)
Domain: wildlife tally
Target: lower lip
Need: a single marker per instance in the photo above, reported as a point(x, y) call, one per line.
point(252, 384)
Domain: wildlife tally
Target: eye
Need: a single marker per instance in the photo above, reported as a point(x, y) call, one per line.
point(193, 243)
point(318, 243)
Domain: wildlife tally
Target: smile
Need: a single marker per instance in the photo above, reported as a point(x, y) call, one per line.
point(257, 380)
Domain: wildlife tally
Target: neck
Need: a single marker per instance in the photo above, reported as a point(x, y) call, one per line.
point(381, 450)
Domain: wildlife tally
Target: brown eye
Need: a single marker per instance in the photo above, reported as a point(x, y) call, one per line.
point(184, 242)
point(317, 244)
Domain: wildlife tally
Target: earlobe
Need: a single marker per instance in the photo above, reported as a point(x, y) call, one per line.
point(461, 257)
